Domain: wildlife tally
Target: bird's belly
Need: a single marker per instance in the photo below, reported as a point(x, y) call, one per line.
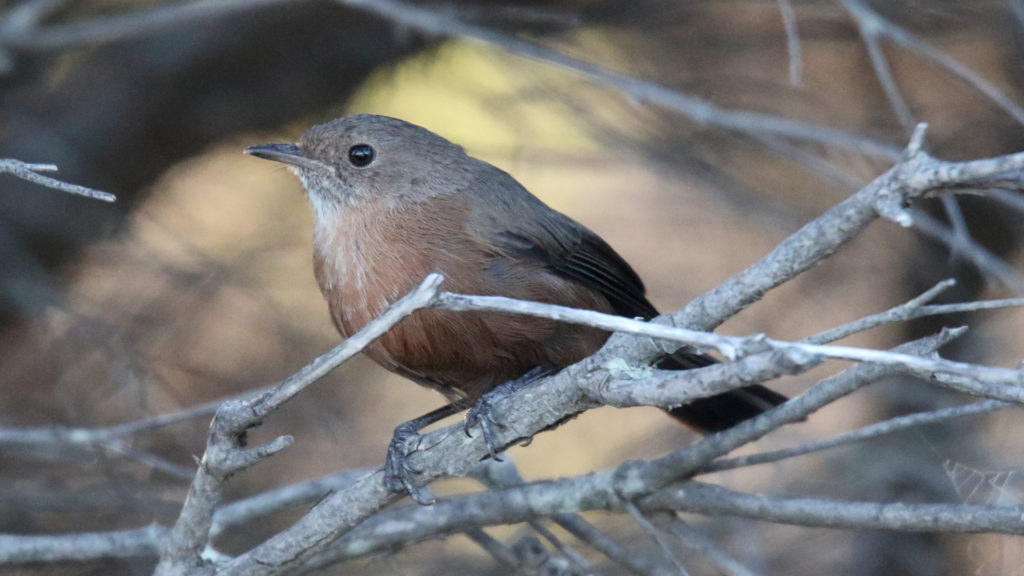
point(465, 354)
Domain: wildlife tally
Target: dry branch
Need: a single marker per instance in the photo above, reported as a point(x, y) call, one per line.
point(31, 173)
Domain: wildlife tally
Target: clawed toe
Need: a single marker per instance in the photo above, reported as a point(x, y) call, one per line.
point(398, 472)
point(482, 414)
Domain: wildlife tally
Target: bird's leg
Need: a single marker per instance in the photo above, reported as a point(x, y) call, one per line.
point(482, 412)
point(398, 473)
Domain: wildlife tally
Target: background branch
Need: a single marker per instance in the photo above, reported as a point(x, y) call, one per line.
point(30, 172)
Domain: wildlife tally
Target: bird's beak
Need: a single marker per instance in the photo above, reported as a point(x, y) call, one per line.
point(285, 153)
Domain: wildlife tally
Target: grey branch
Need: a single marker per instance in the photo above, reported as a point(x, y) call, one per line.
point(451, 453)
point(597, 491)
point(916, 175)
point(715, 500)
point(65, 435)
point(890, 426)
point(796, 61)
point(659, 538)
point(567, 392)
point(604, 376)
point(871, 27)
point(903, 312)
point(500, 475)
point(696, 541)
point(638, 480)
point(990, 265)
point(699, 111)
point(31, 172)
point(249, 509)
point(225, 453)
point(144, 542)
point(880, 26)
point(761, 354)
point(21, 30)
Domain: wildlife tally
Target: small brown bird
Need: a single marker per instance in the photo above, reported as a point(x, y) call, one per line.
point(394, 202)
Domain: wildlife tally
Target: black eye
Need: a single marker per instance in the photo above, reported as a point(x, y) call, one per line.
point(361, 155)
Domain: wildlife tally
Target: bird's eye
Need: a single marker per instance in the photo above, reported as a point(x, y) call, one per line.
point(361, 155)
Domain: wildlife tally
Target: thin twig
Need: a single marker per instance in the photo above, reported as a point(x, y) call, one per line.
point(144, 542)
point(30, 172)
point(868, 17)
point(656, 535)
point(1018, 11)
point(988, 263)
point(961, 236)
point(796, 62)
point(225, 454)
point(566, 550)
point(1006, 197)
point(25, 34)
point(698, 542)
point(153, 461)
point(246, 511)
point(1000, 383)
point(886, 195)
point(683, 463)
point(870, 31)
point(713, 500)
point(699, 111)
point(890, 426)
point(62, 435)
point(503, 554)
point(901, 313)
point(500, 475)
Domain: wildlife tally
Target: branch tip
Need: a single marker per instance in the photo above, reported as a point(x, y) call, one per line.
point(916, 143)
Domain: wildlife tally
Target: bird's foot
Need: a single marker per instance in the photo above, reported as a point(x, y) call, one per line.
point(398, 472)
point(482, 413)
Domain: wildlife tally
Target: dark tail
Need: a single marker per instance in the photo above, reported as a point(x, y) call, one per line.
point(723, 411)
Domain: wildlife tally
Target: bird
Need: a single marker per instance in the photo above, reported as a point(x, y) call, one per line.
point(394, 202)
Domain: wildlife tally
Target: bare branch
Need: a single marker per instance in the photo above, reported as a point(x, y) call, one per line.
point(916, 175)
point(24, 34)
point(697, 110)
point(656, 535)
point(714, 500)
point(698, 542)
point(1018, 11)
point(988, 263)
point(880, 25)
point(18, 549)
point(596, 491)
point(499, 475)
point(870, 27)
point(225, 454)
point(796, 63)
point(152, 460)
point(450, 452)
point(763, 359)
point(890, 426)
point(30, 172)
point(637, 480)
point(503, 554)
point(245, 511)
point(1006, 197)
point(62, 435)
point(900, 313)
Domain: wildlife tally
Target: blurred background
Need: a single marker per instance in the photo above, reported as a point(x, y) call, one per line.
point(197, 283)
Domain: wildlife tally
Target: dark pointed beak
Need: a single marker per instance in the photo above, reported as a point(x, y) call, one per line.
point(284, 153)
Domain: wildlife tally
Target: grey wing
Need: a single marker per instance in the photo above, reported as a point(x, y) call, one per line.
point(561, 245)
